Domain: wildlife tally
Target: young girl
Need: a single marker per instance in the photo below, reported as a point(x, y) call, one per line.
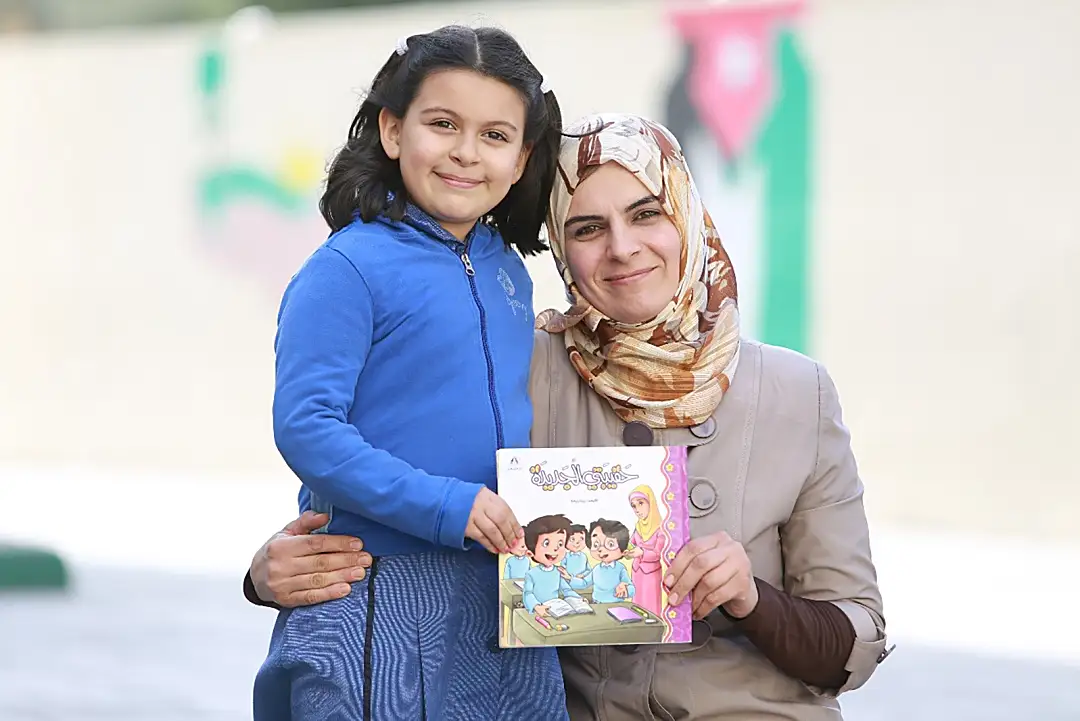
point(403, 352)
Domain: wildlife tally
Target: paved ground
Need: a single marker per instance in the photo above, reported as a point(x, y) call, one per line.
point(130, 645)
point(155, 627)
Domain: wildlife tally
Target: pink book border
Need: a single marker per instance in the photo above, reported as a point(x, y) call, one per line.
point(676, 496)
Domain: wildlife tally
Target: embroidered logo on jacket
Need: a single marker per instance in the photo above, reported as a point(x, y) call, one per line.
point(508, 286)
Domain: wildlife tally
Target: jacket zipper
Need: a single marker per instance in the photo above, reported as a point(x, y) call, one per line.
point(471, 273)
point(428, 225)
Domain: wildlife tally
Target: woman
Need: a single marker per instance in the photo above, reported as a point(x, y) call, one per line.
point(787, 608)
point(645, 549)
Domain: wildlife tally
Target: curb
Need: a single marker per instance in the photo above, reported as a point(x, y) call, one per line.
point(27, 568)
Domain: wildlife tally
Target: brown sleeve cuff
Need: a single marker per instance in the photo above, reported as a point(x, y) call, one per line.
point(807, 640)
point(253, 597)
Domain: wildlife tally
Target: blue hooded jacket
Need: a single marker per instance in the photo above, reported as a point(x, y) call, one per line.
point(402, 365)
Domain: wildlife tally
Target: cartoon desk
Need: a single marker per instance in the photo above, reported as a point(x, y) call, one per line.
point(510, 600)
point(588, 629)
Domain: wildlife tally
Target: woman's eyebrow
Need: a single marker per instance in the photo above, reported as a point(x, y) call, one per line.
point(642, 201)
point(581, 219)
point(594, 218)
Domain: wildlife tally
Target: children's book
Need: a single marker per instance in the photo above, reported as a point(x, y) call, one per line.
point(602, 526)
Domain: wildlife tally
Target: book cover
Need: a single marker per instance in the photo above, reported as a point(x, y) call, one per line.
point(602, 526)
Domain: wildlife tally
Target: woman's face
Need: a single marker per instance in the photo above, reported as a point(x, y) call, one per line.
point(641, 507)
point(623, 252)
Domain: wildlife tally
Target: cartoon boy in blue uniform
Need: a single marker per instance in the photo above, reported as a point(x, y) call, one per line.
point(611, 581)
point(545, 542)
point(517, 565)
point(576, 561)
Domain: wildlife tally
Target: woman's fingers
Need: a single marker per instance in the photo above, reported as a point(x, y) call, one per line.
point(696, 558)
point(315, 595)
point(286, 575)
point(308, 522)
point(287, 547)
point(317, 581)
point(716, 587)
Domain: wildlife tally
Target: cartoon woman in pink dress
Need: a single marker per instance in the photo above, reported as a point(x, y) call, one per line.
point(646, 546)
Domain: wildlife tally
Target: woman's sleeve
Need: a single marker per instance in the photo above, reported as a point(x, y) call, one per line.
point(253, 597)
point(826, 627)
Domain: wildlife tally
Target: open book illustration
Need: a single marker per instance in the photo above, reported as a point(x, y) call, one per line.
point(559, 607)
point(602, 526)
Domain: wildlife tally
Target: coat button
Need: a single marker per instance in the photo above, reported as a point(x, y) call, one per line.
point(705, 429)
point(703, 496)
point(637, 433)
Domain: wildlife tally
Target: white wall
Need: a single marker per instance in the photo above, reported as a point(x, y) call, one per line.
point(947, 238)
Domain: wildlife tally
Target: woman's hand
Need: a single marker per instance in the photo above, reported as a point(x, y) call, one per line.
point(299, 568)
point(632, 552)
point(715, 571)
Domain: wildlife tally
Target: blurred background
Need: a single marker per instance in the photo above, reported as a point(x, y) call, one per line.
point(896, 181)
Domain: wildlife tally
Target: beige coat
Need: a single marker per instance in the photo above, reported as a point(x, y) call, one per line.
point(777, 473)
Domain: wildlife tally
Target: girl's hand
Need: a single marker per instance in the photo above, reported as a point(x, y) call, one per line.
point(299, 568)
point(716, 571)
point(492, 524)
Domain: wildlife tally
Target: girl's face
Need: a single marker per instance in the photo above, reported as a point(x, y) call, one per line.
point(460, 146)
point(641, 507)
point(623, 252)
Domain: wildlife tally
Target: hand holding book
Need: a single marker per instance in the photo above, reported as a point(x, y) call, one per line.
point(492, 524)
point(715, 571)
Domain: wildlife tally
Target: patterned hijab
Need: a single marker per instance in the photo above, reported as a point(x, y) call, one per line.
point(671, 371)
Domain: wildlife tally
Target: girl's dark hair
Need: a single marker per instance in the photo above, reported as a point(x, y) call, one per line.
point(362, 175)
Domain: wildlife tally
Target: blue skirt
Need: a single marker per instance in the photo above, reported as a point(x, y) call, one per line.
point(416, 639)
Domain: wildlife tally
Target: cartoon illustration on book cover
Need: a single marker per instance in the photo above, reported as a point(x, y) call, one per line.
point(601, 527)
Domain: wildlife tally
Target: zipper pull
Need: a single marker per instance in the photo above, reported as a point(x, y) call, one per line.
point(468, 264)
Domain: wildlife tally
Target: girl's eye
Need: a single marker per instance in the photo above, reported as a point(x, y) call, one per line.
point(496, 135)
point(443, 124)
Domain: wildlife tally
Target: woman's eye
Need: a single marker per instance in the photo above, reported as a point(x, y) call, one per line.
point(647, 214)
point(586, 230)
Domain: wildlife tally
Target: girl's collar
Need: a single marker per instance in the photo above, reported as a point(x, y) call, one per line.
point(419, 219)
